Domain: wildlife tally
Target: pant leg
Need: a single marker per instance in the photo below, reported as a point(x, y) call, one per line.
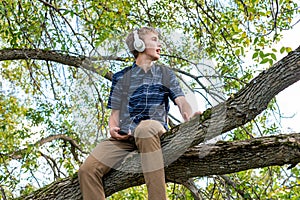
point(104, 157)
point(147, 138)
point(90, 178)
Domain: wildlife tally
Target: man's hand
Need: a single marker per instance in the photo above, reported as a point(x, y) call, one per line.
point(114, 133)
point(185, 108)
point(186, 116)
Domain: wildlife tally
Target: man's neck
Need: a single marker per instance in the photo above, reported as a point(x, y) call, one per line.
point(144, 64)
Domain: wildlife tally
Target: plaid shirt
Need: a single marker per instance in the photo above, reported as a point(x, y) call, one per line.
point(146, 96)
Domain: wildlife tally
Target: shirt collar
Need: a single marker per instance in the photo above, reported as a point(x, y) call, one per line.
point(138, 69)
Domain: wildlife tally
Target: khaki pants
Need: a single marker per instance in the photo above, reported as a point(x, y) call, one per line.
point(110, 152)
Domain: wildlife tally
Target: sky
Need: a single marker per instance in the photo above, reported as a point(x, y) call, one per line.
point(289, 99)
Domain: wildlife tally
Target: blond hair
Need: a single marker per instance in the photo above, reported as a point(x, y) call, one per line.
point(141, 33)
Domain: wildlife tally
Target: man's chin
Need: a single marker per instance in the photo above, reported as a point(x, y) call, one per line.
point(156, 58)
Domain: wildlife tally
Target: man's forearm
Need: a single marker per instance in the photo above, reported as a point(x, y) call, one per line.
point(184, 108)
point(114, 119)
point(186, 111)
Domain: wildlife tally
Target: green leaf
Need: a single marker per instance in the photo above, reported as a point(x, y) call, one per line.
point(288, 49)
point(255, 55)
point(273, 56)
point(265, 60)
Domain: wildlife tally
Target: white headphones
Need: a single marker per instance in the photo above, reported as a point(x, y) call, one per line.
point(138, 44)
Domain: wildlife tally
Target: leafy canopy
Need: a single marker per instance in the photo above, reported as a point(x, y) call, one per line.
point(41, 99)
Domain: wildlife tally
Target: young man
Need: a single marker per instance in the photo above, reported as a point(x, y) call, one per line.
point(138, 120)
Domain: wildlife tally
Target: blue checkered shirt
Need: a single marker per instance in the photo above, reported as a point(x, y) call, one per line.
point(147, 98)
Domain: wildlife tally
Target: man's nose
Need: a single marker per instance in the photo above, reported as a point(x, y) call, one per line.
point(159, 44)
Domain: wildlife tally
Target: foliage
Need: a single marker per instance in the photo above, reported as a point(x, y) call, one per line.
point(41, 99)
point(175, 191)
point(266, 183)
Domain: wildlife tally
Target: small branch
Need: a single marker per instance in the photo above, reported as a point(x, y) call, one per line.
point(234, 185)
point(193, 189)
point(66, 21)
point(62, 137)
point(51, 80)
point(18, 154)
point(52, 164)
point(3, 193)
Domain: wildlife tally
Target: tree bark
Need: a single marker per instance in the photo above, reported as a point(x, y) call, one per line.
point(185, 160)
point(55, 56)
point(202, 160)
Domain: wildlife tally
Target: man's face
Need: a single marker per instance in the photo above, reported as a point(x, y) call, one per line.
point(153, 46)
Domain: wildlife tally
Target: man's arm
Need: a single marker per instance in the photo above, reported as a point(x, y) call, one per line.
point(185, 108)
point(114, 126)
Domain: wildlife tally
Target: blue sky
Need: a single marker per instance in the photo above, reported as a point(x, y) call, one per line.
point(289, 99)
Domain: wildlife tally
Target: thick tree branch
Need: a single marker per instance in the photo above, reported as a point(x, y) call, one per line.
point(55, 56)
point(213, 159)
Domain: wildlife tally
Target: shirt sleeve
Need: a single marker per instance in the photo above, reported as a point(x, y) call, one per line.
point(114, 100)
point(175, 89)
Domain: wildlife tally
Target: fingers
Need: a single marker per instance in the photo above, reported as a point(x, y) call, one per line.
point(114, 133)
point(122, 137)
point(186, 116)
point(197, 113)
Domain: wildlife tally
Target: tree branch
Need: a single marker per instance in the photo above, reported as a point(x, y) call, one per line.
point(55, 56)
point(234, 185)
point(3, 193)
point(212, 159)
point(74, 145)
point(189, 184)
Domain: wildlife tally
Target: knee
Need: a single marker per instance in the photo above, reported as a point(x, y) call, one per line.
point(90, 168)
point(149, 128)
point(84, 170)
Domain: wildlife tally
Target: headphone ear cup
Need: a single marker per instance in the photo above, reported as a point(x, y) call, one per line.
point(138, 44)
